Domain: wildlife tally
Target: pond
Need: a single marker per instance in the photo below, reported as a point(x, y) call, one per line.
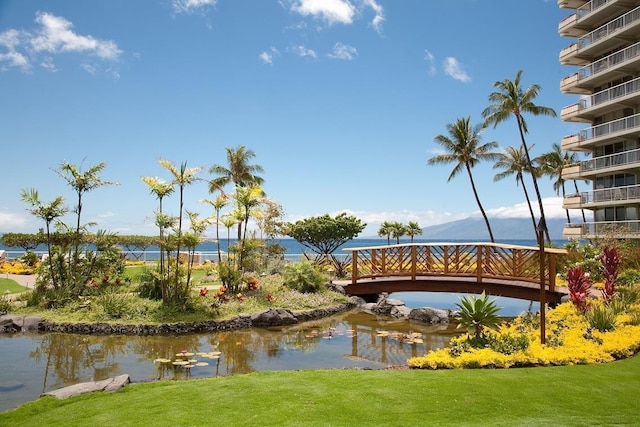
point(35, 363)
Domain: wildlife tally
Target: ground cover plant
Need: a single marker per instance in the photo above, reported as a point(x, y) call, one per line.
point(8, 286)
point(570, 395)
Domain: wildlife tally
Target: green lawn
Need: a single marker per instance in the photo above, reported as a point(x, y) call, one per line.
point(560, 396)
point(11, 286)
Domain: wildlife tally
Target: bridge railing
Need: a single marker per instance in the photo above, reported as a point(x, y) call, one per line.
point(479, 260)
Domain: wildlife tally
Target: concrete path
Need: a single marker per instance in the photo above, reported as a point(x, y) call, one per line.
point(28, 281)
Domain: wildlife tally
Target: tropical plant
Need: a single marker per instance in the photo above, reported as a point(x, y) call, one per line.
point(217, 204)
point(398, 230)
point(477, 314)
point(161, 189)
point(385, 230)
point(303, 277)
point(464, 148)
point(513, 161)
point(511, 99)
point(579, 288)
point(610, 259)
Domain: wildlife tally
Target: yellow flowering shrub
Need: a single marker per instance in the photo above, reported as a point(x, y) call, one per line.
point(570, 340)
point(16, 267)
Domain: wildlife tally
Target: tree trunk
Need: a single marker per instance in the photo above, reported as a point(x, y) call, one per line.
point(475, 193)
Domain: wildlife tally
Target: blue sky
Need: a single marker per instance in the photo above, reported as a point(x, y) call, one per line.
point(339, 99)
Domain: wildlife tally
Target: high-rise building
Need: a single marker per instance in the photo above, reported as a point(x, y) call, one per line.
point(605, 54)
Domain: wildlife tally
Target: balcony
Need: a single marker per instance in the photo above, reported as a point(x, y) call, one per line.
point(598, 72)
point(620, 229)
point(602, 39)
point(572, 202)
point(601, 102)
point(599, 165)
point(624, 127)
point(571, 4)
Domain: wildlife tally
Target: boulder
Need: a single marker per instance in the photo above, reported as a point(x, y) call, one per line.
point(273, 317)
point(429, 315)
point(13, 323)
point(400, 311)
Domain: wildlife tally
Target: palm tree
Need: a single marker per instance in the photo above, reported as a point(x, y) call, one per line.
point(514, 161)
point(551, 164)
point(413, 229)
point(510, 99)
point(385, 231)
point(48, 212)
point(82, 182)
point(239, 172)
point(247, 198)
point(398, 230)
point(182, 176)
point(219, 203)
point(160, 189)
point(463, 148)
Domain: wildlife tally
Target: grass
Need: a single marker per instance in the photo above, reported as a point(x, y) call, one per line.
point(570, 395)
point(11, 286)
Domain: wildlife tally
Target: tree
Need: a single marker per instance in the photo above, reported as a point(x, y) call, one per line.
point(26, 241)
point(385, 230)
point(463, 148)
point(398, 230)
point(324, 234)
point(551, 164)
point(513, 161)
point(238, 172)
point(48, 212)
point(161, 189)
point(510, 99)
point(247, 199)
point(413, 229)
point(217, 204)
point(82, 182)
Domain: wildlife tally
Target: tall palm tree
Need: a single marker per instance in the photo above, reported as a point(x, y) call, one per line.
point(551, 164)
point(219, 203)
point(464, 148)
point(511, 99)
point(82, 182)
point(413, 229)
point(385, 230)
point(161, 189)
point(238, 172)
point(513, 161)
point(398, 230)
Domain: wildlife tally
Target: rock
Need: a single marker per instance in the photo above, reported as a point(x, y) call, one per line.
point(12, 323)
point(401, 311)
point(273, 317)
point(110, 384)
point(357, 301)
point(429, 315)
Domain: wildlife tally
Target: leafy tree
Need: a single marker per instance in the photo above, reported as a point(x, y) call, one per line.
point(510, 99)
point(324, 234)
point(464, 149)
point(136, 243)
point(385, 230)
point(413, 229)
point(26, 241)
point(217, 204)
point(513, 161)
point(161, 189)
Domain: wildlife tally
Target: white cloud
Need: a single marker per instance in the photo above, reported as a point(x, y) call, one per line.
point(268, 55)
point(12, 222)
point(378, 19)
point(432, 63)
point(192, 6)
point(454, 69)
point(343, 51)
point(332, 11)
point(56, 35)
point(552, 209)
point(300, 50)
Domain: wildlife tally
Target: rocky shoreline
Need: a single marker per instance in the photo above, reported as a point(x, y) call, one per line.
point(268, 318)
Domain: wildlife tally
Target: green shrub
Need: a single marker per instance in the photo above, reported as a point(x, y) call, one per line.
point(114, 304)
point(629, 277)
point(5, 304)
point(601, 318)
point(509, 344)
point(303, 277)
point(478, 313)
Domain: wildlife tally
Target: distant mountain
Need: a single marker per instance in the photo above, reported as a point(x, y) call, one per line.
point(503, 229)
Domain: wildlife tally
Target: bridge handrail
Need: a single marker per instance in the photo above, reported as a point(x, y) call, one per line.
point(455, 259)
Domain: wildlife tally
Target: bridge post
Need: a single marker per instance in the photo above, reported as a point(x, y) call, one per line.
point(354, 267)
point(479, 249)
point(413, 262)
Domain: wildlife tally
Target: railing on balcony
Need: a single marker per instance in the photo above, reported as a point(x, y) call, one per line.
point(609, 28)
point(604, 228)
point(625, 123)
point(617, 58)
point(586, 9)
point(609, 161)
point(608, 195)
point(607, 95)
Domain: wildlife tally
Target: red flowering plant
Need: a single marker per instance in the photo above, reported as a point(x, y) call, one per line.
point(204, 291)
point(252, 284)
point(610, 259)
point(579, 286)
point(221, 294)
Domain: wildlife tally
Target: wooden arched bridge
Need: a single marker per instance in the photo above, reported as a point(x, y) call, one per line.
point(497, 269)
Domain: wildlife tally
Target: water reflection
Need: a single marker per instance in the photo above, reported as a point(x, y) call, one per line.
point(44, 362)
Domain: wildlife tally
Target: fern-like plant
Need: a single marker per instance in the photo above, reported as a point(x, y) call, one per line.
point(303, 277)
